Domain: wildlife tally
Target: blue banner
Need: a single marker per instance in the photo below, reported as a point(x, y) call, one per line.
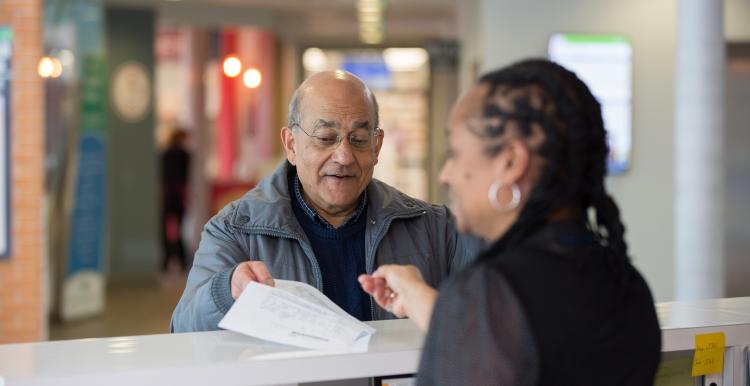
point(6, 51)
point(87, 231)
point(79, 27)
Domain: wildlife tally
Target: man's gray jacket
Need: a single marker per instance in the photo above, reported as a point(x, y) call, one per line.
point(261, 226)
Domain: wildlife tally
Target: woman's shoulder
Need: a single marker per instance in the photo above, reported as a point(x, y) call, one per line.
point(480, 276)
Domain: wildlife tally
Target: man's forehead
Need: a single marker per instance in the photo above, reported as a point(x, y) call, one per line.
point(337, 77)
point(333, 110)
point(336, 124)
point(336, 96)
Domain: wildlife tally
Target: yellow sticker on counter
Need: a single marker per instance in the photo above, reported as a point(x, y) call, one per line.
point(709, 354)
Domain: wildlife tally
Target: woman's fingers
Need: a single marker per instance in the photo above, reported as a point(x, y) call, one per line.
point(390, 284)
point(366, 282)
point(378, 289)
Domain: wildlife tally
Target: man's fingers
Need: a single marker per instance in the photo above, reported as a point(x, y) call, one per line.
point(249, 271)
point(261, 273)
point(240, 278)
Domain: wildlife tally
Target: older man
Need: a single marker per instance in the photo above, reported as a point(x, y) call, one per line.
point(320, 217)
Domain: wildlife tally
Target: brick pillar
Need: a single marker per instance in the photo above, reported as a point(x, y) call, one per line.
point(22, 278)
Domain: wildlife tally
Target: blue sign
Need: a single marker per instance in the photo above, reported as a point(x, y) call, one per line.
point(373, 71)
point(6, 51)
point(87, 231)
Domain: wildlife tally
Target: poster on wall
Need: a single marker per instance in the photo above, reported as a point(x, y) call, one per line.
point(6, 38)
point(82, 288)
point(605, 64)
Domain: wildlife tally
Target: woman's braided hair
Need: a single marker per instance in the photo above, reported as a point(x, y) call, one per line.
point(537, 98)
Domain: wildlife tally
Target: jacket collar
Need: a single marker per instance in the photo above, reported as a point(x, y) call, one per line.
point(268, 205)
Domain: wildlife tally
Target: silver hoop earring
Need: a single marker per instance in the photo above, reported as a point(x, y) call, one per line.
point(514, 201)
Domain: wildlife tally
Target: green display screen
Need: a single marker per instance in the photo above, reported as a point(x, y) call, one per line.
point(605, 64)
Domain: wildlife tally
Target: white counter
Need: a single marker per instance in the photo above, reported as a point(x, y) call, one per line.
point(227, 358)
point(681, 321)
point(204, 358)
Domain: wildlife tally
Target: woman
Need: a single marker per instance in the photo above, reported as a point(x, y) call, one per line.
point(554, 299)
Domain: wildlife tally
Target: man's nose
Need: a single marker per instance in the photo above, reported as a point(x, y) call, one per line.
point(343, 154)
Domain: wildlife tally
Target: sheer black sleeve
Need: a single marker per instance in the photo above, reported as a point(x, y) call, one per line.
point(478, 334)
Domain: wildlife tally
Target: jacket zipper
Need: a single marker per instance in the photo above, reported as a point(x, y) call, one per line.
point(370, 255)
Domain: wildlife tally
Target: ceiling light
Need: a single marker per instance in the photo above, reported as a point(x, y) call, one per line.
point(252, 78)
point(404, 59)
point(314, 59)
point(370, 17)
point(232, 66)
point(49, 67)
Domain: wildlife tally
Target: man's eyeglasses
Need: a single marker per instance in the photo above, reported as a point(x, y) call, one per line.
point(329, 139)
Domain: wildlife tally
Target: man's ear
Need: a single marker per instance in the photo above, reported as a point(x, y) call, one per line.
point(287, 141)
point(379, 145)
point(513, 162)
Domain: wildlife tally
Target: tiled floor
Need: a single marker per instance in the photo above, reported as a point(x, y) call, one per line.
point(132, 309)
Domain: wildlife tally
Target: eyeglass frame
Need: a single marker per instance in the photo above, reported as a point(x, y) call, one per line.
point(376, 132)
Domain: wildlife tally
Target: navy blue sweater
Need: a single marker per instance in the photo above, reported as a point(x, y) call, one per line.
point(341, 256)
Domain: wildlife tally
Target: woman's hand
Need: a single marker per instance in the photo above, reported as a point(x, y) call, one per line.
point(401, 290)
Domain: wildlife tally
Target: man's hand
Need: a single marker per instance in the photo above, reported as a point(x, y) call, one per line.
point(249, 271)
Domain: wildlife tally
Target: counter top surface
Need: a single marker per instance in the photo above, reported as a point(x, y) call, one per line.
point(701, 313)
point(230, 358)
point(197, 358)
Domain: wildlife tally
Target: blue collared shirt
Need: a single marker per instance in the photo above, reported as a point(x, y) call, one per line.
point(340, 253)
point(318, 218)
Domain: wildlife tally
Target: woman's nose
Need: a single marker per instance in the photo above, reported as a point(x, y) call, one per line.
point(443, 175)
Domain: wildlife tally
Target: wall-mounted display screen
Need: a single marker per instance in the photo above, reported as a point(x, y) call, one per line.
point(605, 64)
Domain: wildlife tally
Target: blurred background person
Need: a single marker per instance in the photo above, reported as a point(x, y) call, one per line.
point(175, 164)
point(555, 292)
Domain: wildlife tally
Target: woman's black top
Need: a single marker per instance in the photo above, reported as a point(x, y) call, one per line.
point(557, 309)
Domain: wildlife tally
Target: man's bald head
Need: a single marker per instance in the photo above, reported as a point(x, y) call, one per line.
point(328, 79)
point(332, 141)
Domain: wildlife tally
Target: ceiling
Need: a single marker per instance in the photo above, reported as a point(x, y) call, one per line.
point(304, 5)
point(313, 21)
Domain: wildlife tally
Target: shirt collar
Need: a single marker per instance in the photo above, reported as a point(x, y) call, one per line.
point(310, 212)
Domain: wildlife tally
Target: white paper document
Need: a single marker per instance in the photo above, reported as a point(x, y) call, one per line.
point(296, 314)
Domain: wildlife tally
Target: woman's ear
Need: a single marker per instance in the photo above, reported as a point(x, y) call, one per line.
point(513, 162)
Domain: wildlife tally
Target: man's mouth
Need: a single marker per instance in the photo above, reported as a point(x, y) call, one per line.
point(339, 176)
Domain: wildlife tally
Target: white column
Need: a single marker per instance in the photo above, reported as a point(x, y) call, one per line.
point(196, 45)
point(699, 138)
